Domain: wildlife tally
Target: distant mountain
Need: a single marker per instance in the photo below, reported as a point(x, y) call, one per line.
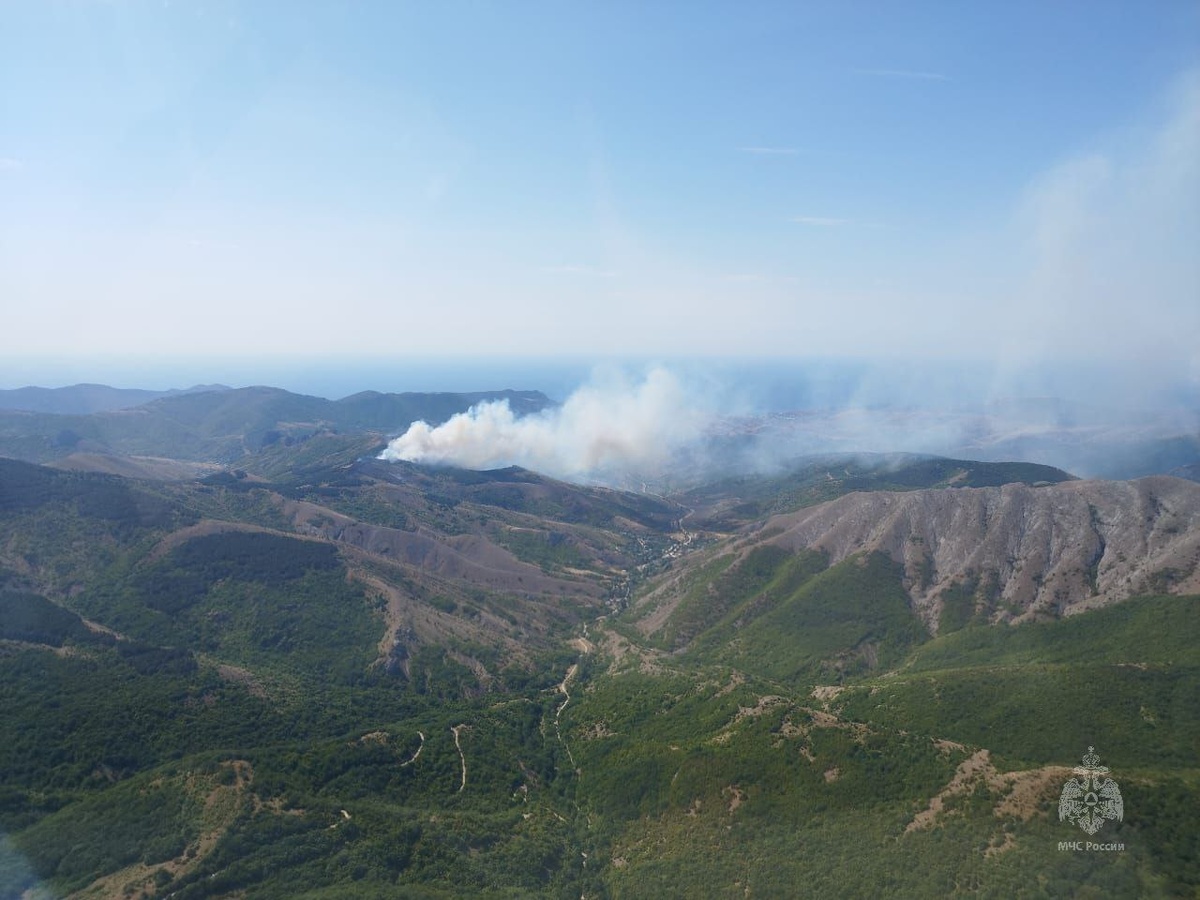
point(1117, 453)
point(225, 425)
point(730, 503)
point(371, 409)
point(83, 399)
point(1090, 442)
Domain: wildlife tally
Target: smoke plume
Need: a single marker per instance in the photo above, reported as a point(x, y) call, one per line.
point(603, 429)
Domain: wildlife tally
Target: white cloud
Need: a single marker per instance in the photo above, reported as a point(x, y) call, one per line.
point(9, 164)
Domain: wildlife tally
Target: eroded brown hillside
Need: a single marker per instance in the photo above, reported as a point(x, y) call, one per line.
point(1057, 548)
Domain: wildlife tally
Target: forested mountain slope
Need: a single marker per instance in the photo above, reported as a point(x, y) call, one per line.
point(328, 676)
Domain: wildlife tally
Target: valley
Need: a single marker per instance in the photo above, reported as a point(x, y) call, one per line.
point(301, 671)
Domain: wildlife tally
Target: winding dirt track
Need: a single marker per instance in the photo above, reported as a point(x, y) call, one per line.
point(558, 713)
point(584, 646)
point(413, 758)
point(462, 757)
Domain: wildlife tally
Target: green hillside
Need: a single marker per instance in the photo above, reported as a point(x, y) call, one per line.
point(788, 617)
point(719, 781)
point(1126, 678)
point(307, 682)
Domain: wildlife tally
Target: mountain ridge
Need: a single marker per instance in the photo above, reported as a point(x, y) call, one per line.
point(226, 425)
point(1054, 549)
point(86, 398)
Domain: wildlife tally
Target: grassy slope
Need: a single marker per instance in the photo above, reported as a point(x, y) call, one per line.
point(708, 789)
point(1124, 679)
point(789, 618)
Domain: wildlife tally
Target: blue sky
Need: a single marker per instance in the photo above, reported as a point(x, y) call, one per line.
point(1010, 181)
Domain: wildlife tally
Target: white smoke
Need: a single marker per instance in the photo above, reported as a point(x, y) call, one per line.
point(602, 430)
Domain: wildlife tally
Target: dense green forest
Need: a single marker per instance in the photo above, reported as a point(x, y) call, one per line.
point(197, 700)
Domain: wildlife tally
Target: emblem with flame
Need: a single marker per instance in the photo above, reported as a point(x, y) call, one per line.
point(1092, 797)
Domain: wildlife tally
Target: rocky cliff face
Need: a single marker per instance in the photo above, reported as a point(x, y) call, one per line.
point(1022, 551)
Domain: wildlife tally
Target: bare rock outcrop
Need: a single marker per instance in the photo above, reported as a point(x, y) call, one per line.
point(1054, 549)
